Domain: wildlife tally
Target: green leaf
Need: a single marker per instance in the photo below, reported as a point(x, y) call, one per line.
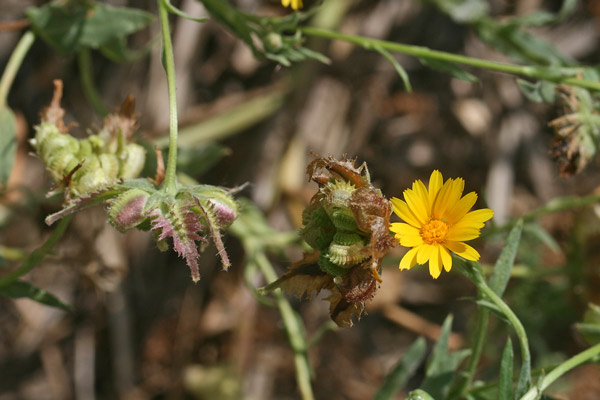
point(464, 11)
point(399, 69)
point(506, 372)
point(542, 235)
point(449, 68)
point(19, 289)
point(539, 92)
point(117, 50)
point(174, 10)
point(8, 144)
point(398, 377)
point(441, 366)
point(504, 264)
point(69, 27)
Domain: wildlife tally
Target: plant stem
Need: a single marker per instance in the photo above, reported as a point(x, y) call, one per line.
point(37, 255)
point(514, 321)
point(13, 65)
point(169, 183)
point(87, 81)
point(293, 328)
point(463, 385)
point(535, 72)
point(563, 368)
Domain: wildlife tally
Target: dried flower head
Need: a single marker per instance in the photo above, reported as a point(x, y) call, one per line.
point(347, 225)
point(437, 221)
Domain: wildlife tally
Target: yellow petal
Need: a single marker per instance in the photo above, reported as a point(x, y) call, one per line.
point(409, 240)
point(297, 4)
point(403, 229)
point(436, 180)
point(446, 258)
point(448, 198)
point(475, 219)
point(435, 262)
point(410, 259)
point(402, 210)
point(416, 205)
point(463, 250)
point(424, 253)
point(285, 3)
point(462, 234)
point(461, 208)
point(421, 191)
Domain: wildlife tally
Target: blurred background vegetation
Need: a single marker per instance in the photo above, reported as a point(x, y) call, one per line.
point(139, 329)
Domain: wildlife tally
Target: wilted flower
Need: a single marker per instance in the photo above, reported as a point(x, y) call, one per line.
point(437, 221)
point(347, 225)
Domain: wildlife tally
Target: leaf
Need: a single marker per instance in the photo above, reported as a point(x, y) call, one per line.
point(399, 69)
point(8, 144)
point(19, 289)
point(174, 10)
point(464, 11)
point(402, 372)
point(69, 27)
point(504, 264)
point(539, 92)
point(441, 367)
point(419, 394)
point(117, 50)
point(506, 372)
point(449, 68)
point(542, 235)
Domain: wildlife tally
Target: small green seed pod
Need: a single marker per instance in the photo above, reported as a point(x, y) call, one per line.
point(330, 268)
point(419, 394)
point(110, 165)
point(347, 238)
point(338, 192)
point(91, 182)
point(346, 256)
point(317, 237)
point(57, 142)
point(343, 219)
point(127, 210)
point(319, 217)
point(133, 162)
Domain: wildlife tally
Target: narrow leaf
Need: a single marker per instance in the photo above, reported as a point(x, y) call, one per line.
point(399, 69)
point(19, 289)
point(398, 377)
point(539, 92)
point(506, 372)
point(449, 68)
point(504, 264)
point(542, 235)
point(174, 10)
point(8, 144)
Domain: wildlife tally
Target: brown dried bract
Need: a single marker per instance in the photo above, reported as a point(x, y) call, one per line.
point(54, 113)
point(356, 280)
point(124, 121)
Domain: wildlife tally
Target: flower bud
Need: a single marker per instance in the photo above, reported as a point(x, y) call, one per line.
point(127, 210)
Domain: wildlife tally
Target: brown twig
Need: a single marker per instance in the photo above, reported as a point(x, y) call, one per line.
point(14, 25)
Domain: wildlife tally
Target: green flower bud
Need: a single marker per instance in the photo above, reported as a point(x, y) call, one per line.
point(127, 210)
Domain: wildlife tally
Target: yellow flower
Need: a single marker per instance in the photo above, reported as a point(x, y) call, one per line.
point(438, 221)
point(296, 4)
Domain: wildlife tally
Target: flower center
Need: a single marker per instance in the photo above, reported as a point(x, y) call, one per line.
point(434, 231)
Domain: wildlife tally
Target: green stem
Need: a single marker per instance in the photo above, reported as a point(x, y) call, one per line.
point(424, 52)
point(37, 255)
point(13, 65)
point(293, 328)
point(84, 61)
point(169, 183)
point(463, 385)
point(514, 321)
point(563, 368)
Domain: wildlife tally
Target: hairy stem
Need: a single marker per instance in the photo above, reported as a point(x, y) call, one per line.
point(563, 368)
point(535, 72)
point(169, 183)
point(293, 328)
point(13, 65)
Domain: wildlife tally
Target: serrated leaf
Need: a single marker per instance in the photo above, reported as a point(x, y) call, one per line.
point(68, 27)
point(441, 366)
point(402, 372)
point(506, 260)
point(20, 289)
point(506, 372)
point(539, 91)
point(449, 68)
point(8, 144)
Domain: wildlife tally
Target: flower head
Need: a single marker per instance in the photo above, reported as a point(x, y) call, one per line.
point(296, 4)
point(437, 221)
